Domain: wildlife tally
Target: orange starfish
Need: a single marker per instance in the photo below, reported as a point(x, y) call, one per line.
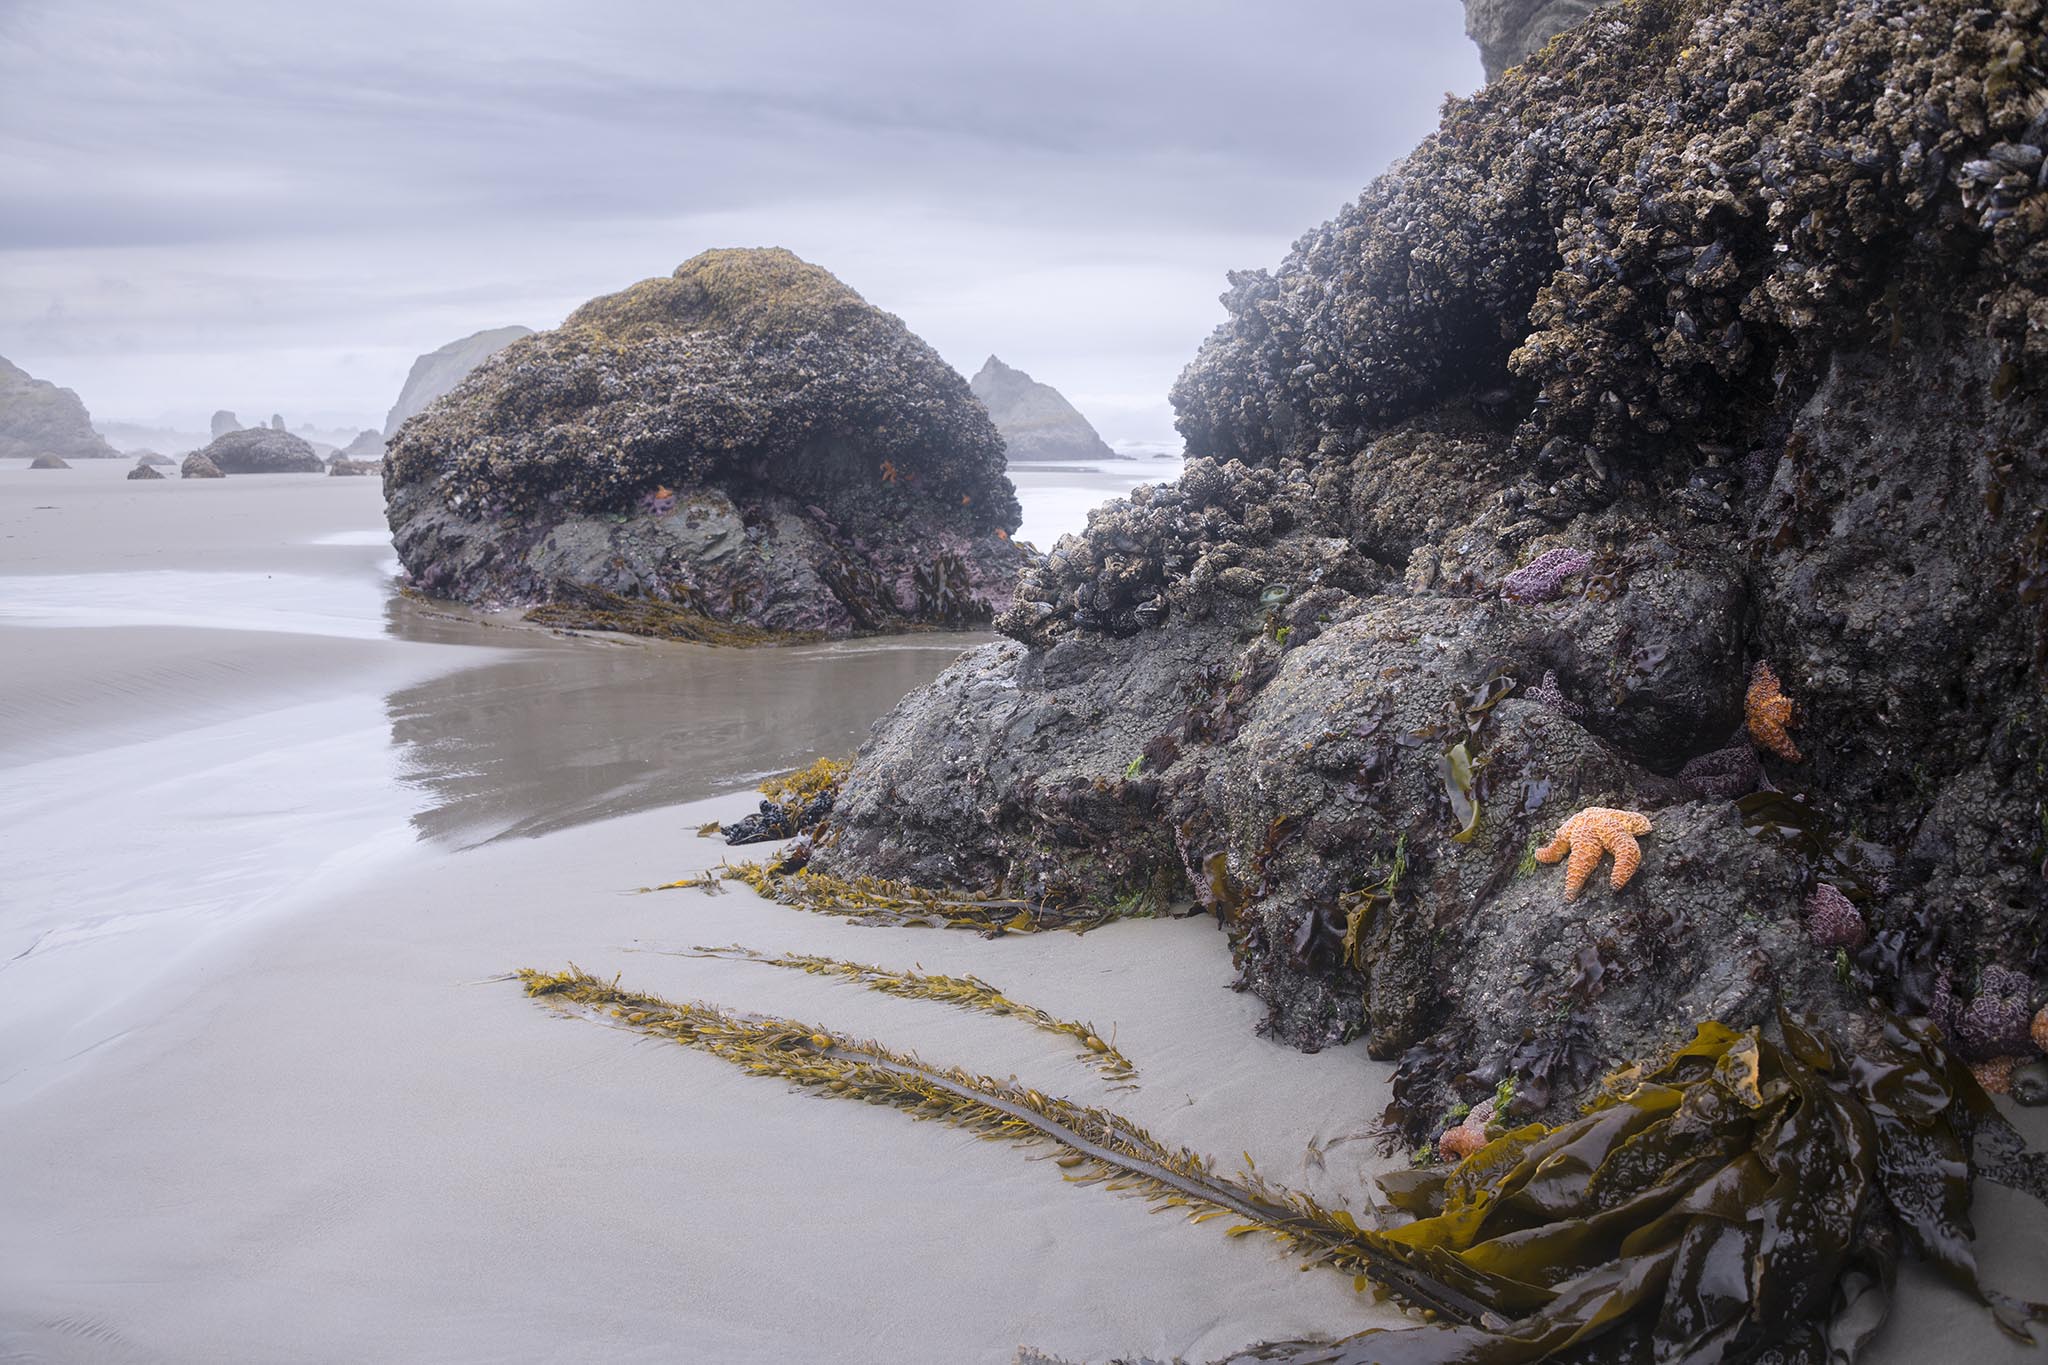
point(1592, 833)
point(1769, 711)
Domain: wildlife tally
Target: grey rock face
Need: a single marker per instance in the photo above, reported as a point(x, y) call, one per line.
point(48, 462)
point(1509, 30)
point(144, 470)
point(1290, 688)
point(225, 422)
point(38, 418)
point(198, 466)
point(263, 450)
point(438, 372)
point(747, 440)
point(1037, 423)
point(276, 422)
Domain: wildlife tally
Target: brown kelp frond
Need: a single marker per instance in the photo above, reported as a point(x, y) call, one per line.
point(879, 900)
point(1745, 1200)
point(964, 992)
point(805, 785)
point(1096, 1146)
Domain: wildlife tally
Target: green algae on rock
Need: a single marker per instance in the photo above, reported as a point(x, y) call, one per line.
point(747, 439)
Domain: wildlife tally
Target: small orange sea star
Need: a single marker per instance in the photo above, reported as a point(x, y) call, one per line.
point(1592, 833)
point(1769, 711)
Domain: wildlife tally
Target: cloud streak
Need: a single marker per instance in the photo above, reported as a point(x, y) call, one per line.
point(237, 187)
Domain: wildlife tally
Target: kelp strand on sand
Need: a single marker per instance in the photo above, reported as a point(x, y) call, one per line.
point(1745, 1200)
point(878, 900)
point(1097, 1145)
point(964, 992)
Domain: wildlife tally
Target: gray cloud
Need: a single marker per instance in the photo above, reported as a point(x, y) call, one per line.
point(207, 197)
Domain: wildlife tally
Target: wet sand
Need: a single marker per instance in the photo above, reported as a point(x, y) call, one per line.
point(260, 1100)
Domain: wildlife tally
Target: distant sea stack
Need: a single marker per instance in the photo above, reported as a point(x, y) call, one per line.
point(263, 450)
point(367, 445)
point(1509, 30)
point(38, 418)
point(437, 372)
point(1036, 422)
point(225, 422)
point(742, 450)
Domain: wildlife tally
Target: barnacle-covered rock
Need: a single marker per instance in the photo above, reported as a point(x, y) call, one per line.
point(1647, 231)
point(1696, 292)
point(746, 441)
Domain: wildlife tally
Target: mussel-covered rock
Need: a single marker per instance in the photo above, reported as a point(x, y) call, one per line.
point(747, 440)
point(1693, 322)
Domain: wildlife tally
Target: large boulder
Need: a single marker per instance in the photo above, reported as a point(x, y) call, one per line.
point(225, 422)
point(341, 466)
point(264, 450)
point(198, 466)
point(745, 442)
point(48, 462)
point(1036, 421)
point(152, 457)
point(144, 470)
point(437, 372)
point(38, 418)
point(1708, 338)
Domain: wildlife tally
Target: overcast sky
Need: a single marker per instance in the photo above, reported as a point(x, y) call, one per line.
point(275, 207)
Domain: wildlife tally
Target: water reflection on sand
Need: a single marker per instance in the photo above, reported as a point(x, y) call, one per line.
point(557, 736)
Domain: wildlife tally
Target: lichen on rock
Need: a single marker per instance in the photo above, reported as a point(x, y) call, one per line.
point(747, 438)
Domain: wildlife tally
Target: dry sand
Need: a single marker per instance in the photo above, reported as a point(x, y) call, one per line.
point(260, 1101)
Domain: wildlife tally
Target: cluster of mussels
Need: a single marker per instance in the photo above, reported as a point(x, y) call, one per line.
point(1636, 248)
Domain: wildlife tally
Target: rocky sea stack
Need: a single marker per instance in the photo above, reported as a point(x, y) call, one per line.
point(1664, 436)
point(1036, 421)
point(263, 450)
point(745, 446)
point(438, 371)
point(38, 418)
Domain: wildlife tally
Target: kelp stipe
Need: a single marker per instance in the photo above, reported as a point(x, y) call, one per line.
point(963, 992)
point(1097, 1146)
point(1745, 1200)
